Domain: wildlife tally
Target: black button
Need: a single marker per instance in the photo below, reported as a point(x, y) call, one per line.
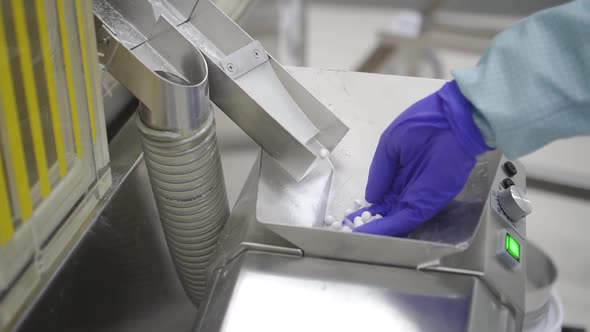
point(510, 169)
point(506, 183)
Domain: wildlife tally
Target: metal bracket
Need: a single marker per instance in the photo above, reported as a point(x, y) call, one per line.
point(245, 59)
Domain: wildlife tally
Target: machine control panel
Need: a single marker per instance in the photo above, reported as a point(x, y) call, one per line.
point(514, 203)
point(508, 197)
point(509, 201)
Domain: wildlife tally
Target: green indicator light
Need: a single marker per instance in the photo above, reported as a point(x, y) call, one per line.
point(513, 247)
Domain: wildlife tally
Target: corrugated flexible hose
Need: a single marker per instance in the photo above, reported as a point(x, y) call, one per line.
point(187, 182)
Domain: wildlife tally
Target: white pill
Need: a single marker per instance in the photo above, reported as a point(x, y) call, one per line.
point(329, 220)
point(366, 216)
point(348, 211)
point(324, 153)
point(358, 203)
point(358, 222)
point(346, 229)
point(336, 226)
point(347, 222)
point(378, 216)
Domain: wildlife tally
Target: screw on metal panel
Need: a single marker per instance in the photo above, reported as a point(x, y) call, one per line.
point(106, 40)
point(256, 53)
point(230, 67)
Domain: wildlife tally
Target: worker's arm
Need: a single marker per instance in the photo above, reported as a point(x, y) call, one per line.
point(422, 161)
point(532, 86)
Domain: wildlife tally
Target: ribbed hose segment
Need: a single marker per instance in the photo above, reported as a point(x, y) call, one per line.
point(187, 181)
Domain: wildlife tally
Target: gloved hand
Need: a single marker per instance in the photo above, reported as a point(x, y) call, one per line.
point(422, 162)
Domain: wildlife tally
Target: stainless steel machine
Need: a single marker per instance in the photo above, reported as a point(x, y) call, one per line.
point(462, 271)
point(162, 251)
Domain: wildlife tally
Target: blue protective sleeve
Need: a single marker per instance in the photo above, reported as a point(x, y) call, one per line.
point(532, 86)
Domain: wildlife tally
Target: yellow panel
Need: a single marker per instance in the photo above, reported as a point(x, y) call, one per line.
point(6, 223)
point(50, 79)
point(87, 73)
point(32, 100)
point(8, 99)
point(69, 68)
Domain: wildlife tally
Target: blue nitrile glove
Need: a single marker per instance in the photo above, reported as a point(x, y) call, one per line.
point(422, 162)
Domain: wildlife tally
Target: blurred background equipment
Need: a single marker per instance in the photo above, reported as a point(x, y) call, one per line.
point(204, 211)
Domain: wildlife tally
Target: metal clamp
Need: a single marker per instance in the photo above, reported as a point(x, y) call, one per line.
point(245, 59)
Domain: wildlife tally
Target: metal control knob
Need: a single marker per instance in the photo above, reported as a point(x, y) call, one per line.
point(515, 203)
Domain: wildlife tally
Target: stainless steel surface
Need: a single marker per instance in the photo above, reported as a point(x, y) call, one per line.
point(243, 232)
point(286, 202)
point(166, 72)
point(116, 100)
point(244, 60)
point(258, 101)
point(541, 275)
point(269, 292)
point(514, 203)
